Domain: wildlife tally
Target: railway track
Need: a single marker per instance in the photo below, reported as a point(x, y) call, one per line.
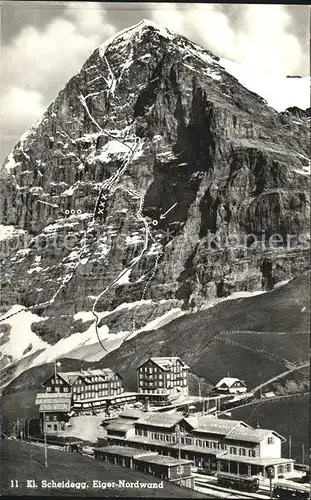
point(201, 483)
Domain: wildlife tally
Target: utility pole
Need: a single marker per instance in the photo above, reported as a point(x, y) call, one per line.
point(303, 454)
point(45, 445)
point(179, 451)
point(290, 447)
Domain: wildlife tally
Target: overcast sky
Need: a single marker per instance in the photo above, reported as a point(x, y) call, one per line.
point(45, 43)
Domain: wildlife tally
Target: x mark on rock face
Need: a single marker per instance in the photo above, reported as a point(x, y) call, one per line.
point(167, 234)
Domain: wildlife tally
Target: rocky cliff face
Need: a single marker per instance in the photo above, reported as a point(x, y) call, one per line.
point(151, 121)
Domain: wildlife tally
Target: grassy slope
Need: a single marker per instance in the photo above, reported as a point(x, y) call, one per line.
point(214, 341)
point(290, 417)
point(26, 461)
point(200, 340)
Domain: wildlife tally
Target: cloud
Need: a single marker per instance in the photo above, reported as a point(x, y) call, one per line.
point(266, 44)
point(259, 38)
point(38, 63)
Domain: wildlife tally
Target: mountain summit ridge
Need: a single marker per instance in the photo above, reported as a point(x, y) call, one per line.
point(147, 124)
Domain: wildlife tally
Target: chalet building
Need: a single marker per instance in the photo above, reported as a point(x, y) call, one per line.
point(163, 378)
point(215, 444)
point(167, 468)
point(230, 385)
point(89, 389)
point(54, 410)
point(84, 385)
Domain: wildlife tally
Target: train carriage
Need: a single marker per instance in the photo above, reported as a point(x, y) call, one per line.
point(286, 491)
point(234, 481)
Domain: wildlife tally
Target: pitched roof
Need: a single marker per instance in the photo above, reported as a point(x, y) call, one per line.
point(131, 413)
point(120, 424)
point(124, 451)
point(213, 425)
point(70, 377)
point(228, 381)
point(166, 362)
point(251, 435)
point(159, 419)
point(163, 460)
point(50, 402)
point(255, 461)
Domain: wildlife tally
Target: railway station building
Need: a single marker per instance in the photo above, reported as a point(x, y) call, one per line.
point(211, 443)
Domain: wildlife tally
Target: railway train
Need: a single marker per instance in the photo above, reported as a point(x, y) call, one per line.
point(246, 483)
point(286, 491)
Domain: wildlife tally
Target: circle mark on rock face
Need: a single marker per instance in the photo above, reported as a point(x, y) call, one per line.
point(73, 212)
point(155, 222)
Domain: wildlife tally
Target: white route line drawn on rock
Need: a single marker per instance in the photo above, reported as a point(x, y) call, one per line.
point(139, 196)
point(154, 269)
point(105, 184)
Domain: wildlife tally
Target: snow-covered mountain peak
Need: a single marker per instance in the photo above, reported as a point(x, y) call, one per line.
point(129, 33)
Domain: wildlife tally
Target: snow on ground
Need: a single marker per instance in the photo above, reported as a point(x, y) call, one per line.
point(160, 321)
point(21, 336)
point(10, 232)
point(280, 92)
point(243, 295)
point(124, 277)
point(66, 345)
point(281, 283)
point(126, 34)
point(134, 240)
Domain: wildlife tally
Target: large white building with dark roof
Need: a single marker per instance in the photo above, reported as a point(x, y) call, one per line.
point(215, 444)
point(163, 378)
point(88, 390)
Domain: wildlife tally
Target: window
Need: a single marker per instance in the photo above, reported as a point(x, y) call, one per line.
point(47, 418)
point(270, 440)
point(48, 389)
point(233, 450)
point(251, 453)
point(214, 445)
point(242, 452)
point(66, 389)
point(288, 467)
point(199, 442)
point(54, 417)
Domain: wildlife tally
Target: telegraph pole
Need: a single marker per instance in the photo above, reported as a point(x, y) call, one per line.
point(179, 452)
point(290, 447)
point(45, 445)
point(303, 454)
